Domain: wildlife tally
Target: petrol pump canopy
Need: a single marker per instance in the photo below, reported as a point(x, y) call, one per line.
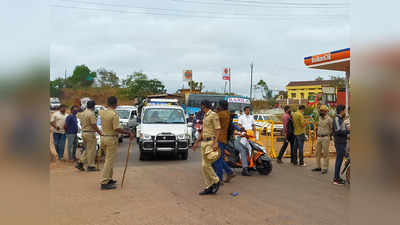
point(337, 60)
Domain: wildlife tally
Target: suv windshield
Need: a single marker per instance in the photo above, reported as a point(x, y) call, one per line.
point(165, 116)
point(123, 114)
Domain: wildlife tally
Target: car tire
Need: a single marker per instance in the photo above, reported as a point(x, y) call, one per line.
point(120, 139)
point(142, 157)
point(185, 155)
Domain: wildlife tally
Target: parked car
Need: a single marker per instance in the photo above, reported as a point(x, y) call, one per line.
point(127, 117)
point(263, 121)
point(54, 103)
point(163, 128)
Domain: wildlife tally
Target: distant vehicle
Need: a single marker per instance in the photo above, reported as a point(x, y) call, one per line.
point(127, 117)
point(235, 103)
point(54, 103)
point(263, 121)
point(84, 102)
point(163, 128)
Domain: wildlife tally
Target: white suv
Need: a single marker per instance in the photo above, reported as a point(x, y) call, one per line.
point(163, 128)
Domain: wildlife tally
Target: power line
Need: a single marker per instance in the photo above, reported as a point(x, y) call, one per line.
point(199, 12)
point(224, 16)
point(265, 5)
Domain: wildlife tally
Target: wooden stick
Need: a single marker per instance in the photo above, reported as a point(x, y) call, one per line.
point(126, 163)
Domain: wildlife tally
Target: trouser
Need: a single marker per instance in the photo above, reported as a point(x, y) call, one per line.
point(110, 144)
point(243, 150)
point(220, 165)
point(59, 144)
point(340, 152)
point(322, 150)
point(284, 147)
point(72, 144)
point(299, 144)
point(210, 177)
point(89, 155)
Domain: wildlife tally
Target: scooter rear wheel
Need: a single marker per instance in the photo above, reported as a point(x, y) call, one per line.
point(264, 165)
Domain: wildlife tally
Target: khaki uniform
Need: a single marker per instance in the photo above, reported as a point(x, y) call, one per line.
point(210, 124)
point(109, 122)
point(88, 118)
point(323, 141)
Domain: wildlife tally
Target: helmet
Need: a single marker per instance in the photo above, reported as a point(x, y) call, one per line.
point(323, 108)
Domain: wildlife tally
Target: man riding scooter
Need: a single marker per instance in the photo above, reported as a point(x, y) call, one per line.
point(246, 123)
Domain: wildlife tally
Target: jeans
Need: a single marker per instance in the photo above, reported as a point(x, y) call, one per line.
point(298, 144)
point(340, 152)
point(284, 147)
point(220, 165)
point(59, 144)
point(72, 144)
point(244, 152)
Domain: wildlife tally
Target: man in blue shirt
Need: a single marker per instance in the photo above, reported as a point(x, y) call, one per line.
point(71, 130)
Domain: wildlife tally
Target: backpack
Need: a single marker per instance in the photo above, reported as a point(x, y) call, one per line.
point(290, 128)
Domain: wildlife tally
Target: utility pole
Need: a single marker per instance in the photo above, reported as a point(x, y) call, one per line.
point(251, 80)
point(230, 81)
point(65, 77)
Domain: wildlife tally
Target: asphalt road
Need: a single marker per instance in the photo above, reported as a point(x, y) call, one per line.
point(165, 191)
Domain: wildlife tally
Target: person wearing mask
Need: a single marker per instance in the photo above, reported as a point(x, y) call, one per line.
point(289, 136)
point(323, 140)
point(209, 147)
point(71, 130)
point(111, 127)
point(299, 124)
point(246, 123)
point(89, 129)
point(340, 133)
point(57, 122)
point(220, 165)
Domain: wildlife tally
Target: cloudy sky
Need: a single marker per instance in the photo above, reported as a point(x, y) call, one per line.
point(162, 38)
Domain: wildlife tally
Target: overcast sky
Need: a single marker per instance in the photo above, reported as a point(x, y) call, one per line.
point(162, 38)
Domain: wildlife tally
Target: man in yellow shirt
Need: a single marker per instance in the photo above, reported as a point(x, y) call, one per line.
point(299, 124)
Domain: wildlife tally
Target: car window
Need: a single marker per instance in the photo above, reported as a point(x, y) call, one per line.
point(255, 117)
point(163, 116)
point(123, 114)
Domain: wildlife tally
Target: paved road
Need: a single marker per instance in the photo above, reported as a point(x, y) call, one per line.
point(165, 191)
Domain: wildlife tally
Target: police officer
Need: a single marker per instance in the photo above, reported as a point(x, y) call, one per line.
point(209, 148)
point(324, 133)
point(89, 129)
point(111, 127)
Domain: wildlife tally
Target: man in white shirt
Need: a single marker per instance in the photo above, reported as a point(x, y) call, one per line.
point(57, 122)
point(246, 122)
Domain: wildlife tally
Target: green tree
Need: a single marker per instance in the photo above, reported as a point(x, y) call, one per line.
point(319, 78)
point(55, 87)
point(338, 82)
point(265, 91)
point(137, 85)
point(198, 86)
point(81, 77)
point(108, 78)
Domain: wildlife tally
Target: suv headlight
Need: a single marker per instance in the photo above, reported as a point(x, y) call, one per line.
point(145, 136)
point(183, 136)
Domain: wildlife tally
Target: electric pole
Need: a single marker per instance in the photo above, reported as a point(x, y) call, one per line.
point(230, 81)
point(251, 80)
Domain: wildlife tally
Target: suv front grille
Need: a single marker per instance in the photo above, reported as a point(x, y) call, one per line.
point(165, 138)
point(165, 144)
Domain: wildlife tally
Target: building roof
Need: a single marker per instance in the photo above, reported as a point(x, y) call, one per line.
point(309, 83)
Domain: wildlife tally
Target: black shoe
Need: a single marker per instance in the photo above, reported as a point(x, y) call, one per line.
point(245, 172)
point(324, 171)
point(279, 161)
point(294, 163)
point(91, 169)
point(108, 186)
point(339, 181)
point(112, 182)
point(206, 191)
point(215, 187)
point(316, 170)
point(79, 166)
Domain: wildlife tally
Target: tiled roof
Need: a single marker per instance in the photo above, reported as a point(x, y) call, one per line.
point(309, 83)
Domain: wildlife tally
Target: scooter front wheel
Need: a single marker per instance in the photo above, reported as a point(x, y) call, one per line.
point(264, 165)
